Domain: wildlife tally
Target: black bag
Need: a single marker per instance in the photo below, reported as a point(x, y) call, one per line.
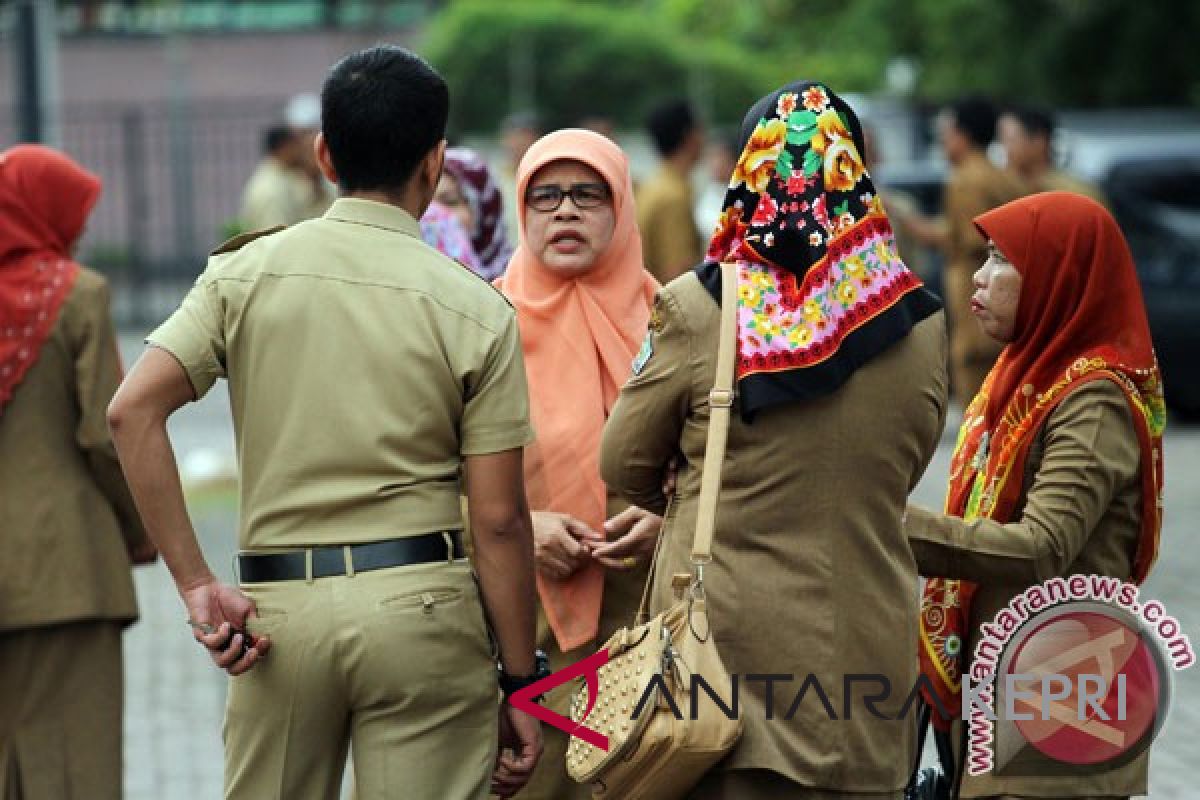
point(931, 783)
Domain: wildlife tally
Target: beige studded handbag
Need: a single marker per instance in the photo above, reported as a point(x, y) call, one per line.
point(660, 741)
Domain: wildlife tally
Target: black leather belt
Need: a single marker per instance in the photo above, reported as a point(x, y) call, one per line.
point(328, 561)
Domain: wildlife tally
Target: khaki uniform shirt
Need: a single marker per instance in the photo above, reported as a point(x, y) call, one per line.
point(975, 186)
point(1080, 514)
point(670, 242)
point(66, 516)
point(362, 366)
point(811, 572)
point(1056, 180)
point(271, 197)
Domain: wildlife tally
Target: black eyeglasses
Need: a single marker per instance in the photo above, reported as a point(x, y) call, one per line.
point(583, 195)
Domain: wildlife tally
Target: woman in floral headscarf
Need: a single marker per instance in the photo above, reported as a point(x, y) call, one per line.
point(468, 189)
point(1058, 467)
point(841, 389)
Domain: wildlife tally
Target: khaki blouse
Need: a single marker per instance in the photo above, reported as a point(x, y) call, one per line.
point(66, 516)
point(811, 572)
point(1080, 514)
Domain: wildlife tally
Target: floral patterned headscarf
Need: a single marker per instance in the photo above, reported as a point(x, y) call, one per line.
point(821, 288)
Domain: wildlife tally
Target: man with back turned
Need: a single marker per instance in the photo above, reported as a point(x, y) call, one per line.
point(368, 376)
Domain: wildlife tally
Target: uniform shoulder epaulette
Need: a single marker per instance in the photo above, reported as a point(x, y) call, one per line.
point(488, 283)
point(243, 239)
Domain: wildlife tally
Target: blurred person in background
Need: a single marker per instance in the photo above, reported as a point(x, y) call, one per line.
point(583, 302)
point(1027, 135)
point(270, 197)
point(839, 404)
point(975, 185)
point(1058, 466)
point(720, 159)
point(468, 188)
point(518, 132)
point(68, 527)
point(671, 244)
point(442, 229)
point(314, 193)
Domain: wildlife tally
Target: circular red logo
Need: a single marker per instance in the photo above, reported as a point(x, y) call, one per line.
point(1091, 684)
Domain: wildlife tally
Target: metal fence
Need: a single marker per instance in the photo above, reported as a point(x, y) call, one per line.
point(173, 175)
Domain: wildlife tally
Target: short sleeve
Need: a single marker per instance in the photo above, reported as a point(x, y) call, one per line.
point(195, 335)
point(496, 414)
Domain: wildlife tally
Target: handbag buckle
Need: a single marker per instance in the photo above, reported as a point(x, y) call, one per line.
point(720, 398)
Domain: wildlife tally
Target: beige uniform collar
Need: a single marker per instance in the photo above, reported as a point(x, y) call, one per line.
point(377, 215)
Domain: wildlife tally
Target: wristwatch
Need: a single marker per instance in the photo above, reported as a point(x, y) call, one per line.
point(515, 683)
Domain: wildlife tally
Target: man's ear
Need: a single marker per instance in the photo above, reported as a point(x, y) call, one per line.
point(433, 164)
point(324, 159)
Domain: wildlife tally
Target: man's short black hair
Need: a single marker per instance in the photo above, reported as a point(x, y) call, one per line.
point(669, 125)
point(1035, 121)
point(275, 137)
point(975, 116)
point(382, 110)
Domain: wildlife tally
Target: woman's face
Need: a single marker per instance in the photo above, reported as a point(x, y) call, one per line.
point(997, 292)
point(450, 194)
point(568, 238)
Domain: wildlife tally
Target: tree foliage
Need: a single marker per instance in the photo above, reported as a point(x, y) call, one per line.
point(617, 58)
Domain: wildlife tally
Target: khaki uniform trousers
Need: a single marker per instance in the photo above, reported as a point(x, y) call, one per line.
point(763, 784)
point(61, 693)
point(396, 662)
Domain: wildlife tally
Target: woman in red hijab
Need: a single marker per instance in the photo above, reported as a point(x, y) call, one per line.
point(1058, 467)
point(68, 527)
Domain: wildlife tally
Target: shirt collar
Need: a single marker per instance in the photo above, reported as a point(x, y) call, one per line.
point(377, 215)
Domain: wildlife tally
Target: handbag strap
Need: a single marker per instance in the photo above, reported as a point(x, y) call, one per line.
point(720, 401)
point(720, 404)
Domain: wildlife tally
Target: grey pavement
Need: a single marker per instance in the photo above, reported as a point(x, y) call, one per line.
point(175, 697)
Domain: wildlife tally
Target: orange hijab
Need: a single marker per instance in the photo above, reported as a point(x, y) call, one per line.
point(580, 336)
point(1080, 318)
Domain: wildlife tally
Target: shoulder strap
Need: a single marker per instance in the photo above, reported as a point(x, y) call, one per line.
point(720, 404)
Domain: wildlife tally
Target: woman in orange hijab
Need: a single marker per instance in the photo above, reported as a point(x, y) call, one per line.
point(583, 302)
point(1058, 467)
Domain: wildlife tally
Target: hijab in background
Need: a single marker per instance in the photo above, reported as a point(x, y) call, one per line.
point(489, 237)
point(442, 230)
point(45, 199)
point(580, 336)
point(1080, 318)
point(821, 288)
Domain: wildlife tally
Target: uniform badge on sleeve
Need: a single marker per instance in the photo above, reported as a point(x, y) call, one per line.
point(643, 355)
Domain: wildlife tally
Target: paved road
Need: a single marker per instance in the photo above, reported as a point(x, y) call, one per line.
point(175, 697)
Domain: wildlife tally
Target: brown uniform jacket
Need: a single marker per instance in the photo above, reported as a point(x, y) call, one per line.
point(975, 186)
point(1081, 514)
point(670, 242)
point(811, 572)
point(66, 516)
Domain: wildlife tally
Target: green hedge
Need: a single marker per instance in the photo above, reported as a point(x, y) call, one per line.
point(584, 61)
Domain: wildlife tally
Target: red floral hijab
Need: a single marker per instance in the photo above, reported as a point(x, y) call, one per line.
point(1080, 318)
point(45, 199)
point(821, 288)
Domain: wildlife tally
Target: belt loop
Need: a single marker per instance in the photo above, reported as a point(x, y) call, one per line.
point(449, 546)
point(308, 567)
point(348, 559)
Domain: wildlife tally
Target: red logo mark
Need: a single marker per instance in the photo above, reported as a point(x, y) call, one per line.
point(523, 699)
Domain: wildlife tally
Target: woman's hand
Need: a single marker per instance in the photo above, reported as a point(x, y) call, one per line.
point(560, 544)
point(637, 532)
